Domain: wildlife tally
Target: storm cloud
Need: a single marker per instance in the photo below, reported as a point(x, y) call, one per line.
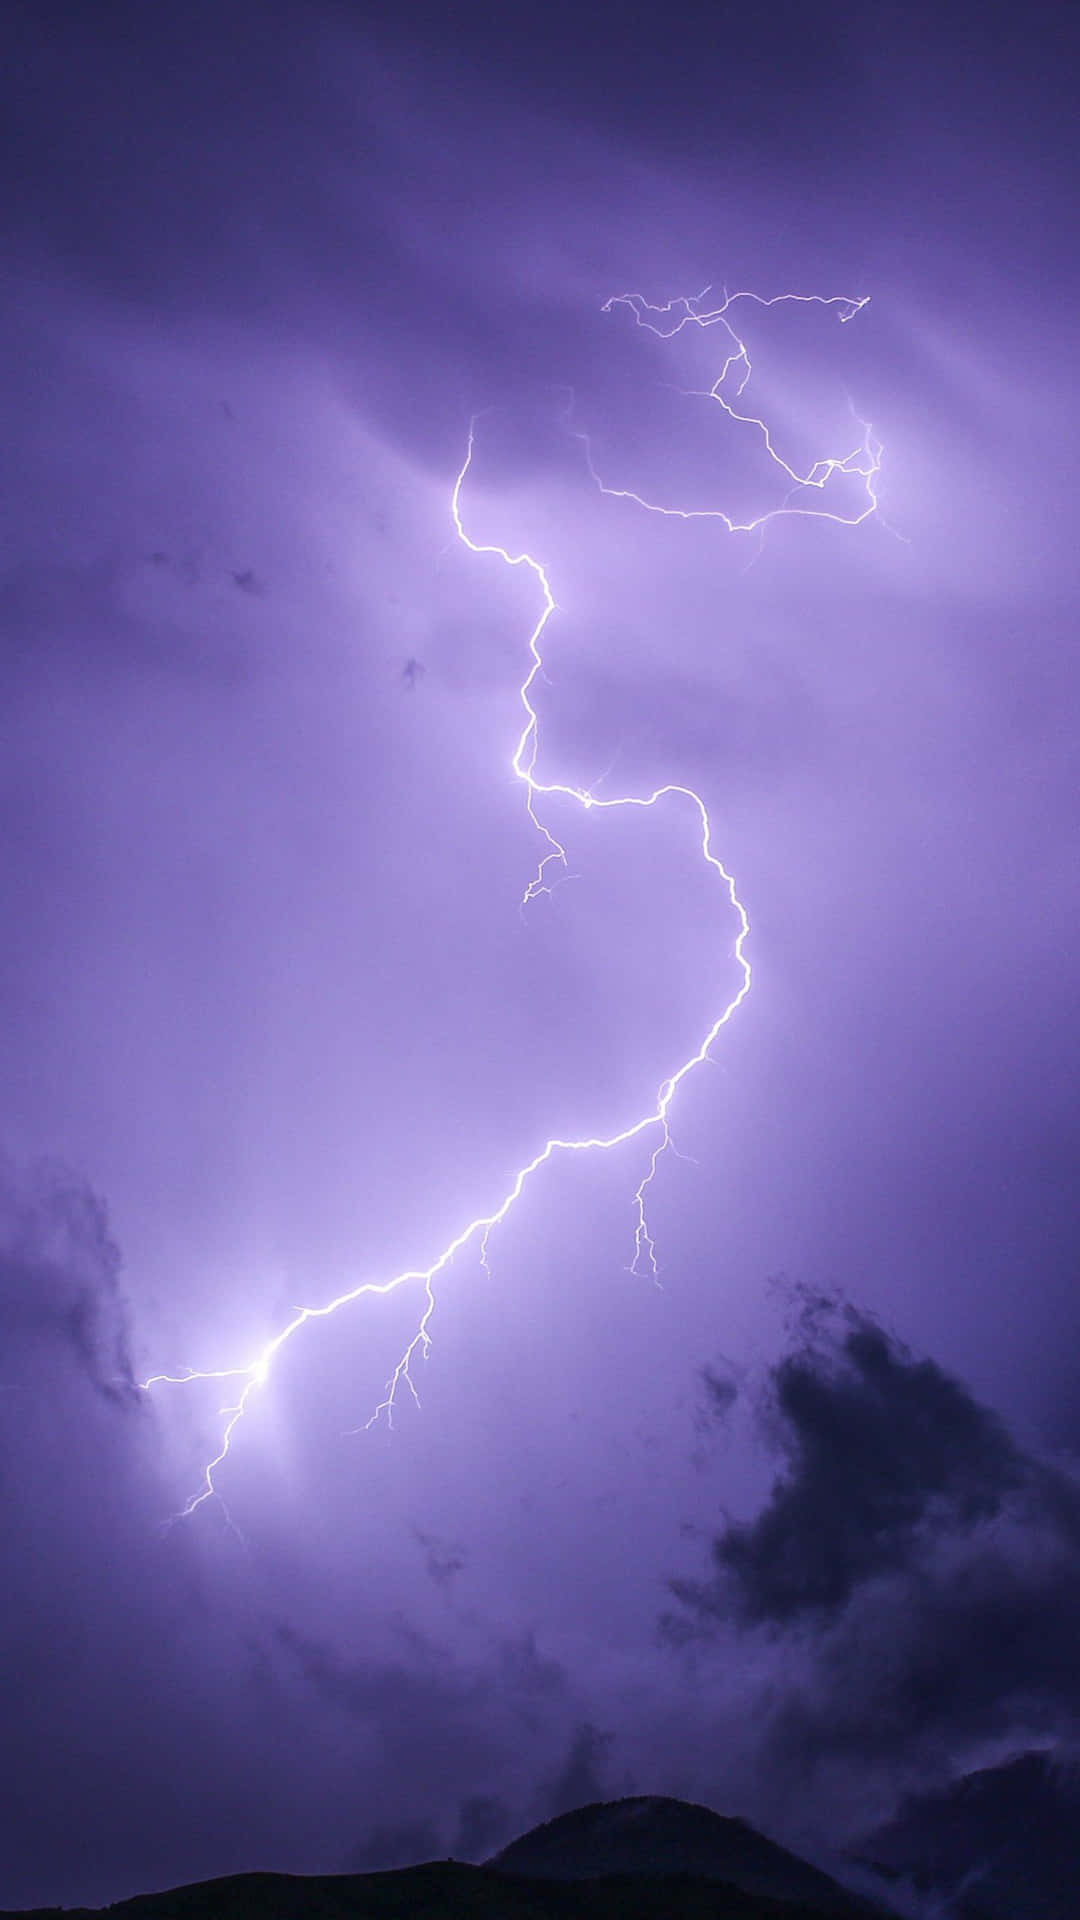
point(60, 1277)
point(921, 1559)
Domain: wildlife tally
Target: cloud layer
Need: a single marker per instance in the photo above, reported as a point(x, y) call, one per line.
point(924, 1564)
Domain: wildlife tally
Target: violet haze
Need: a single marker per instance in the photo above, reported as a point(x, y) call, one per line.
point(274, 1022)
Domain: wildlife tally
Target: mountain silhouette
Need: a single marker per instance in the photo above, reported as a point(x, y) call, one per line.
point(655, 1835)
point(641, 1859)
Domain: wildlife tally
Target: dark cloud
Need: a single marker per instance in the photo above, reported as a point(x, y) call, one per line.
point(1003, 1838)
point(880, 1447)
point(925, 1562)
point(484, 1821)
point(710, 1415)
point(721, 1393)
point(580, 1779)
point(60, 1276)
point(441, 1558)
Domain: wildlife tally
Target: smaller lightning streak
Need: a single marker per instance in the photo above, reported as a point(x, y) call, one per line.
point(863, 461)
point(256, 1372)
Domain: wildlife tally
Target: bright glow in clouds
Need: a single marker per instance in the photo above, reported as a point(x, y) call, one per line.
point(863, 461)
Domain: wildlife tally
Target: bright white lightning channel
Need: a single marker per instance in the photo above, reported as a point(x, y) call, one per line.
point(861, 462)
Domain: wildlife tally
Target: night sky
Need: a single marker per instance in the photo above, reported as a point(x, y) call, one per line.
point(794, 1525)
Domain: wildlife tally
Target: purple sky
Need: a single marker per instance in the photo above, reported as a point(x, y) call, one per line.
point(274, 1025)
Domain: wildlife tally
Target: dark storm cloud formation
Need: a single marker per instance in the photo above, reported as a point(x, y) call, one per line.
point(582, 1777)
point(442, 1559)
point(60, 1277)
point(484, 1821)
point(927, 1563)
point(877, 1443)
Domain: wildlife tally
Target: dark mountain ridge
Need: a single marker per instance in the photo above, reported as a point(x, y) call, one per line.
point(448, 1890)
point(639, 1859)
point(656, 1835)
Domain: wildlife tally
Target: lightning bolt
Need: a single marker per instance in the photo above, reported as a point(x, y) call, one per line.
point(863, 462)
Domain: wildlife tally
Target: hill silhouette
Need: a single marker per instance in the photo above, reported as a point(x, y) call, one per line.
point(448, 1890)
point(641, 1859)
point(656, 1835)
